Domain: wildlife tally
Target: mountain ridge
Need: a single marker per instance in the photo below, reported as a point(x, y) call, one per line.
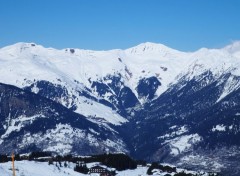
point(233, 46)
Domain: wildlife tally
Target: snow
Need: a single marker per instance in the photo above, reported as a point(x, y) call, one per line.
point(176, 132)
point(29, 168)
point(182, 143)
point(92, 109)
point(148, 59)
point(16, 124)
point(50, 64)
point(140, 171)
point(53, 65)
point(233, 48)
point(210, 162)
point(230, 86)
point(219, 128)
point(63, 137)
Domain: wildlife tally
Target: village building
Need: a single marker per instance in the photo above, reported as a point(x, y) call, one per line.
point(101, 171)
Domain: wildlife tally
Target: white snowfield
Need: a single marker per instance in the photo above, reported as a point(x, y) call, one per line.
point(30, 168)
point(33, 168)
point(183, 143)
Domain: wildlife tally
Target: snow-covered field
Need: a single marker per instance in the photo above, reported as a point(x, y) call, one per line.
point(34, 168)
point(30, 168)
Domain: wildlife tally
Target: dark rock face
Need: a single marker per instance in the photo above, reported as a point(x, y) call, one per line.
point(147, 87)
point(128, 98)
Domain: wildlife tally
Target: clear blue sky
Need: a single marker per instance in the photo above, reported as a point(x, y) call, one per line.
point(107, 24)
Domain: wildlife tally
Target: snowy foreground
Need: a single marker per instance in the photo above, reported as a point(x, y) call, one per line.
point(30, 168)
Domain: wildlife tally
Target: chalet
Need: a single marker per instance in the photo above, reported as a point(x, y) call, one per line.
point(101, 171)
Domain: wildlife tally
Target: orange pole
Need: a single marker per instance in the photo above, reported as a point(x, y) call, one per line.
point(13, 168)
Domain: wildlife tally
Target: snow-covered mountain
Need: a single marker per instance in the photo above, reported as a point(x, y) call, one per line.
point(176, 106)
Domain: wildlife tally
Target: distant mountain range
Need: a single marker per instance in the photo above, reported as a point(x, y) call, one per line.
point(151, 101)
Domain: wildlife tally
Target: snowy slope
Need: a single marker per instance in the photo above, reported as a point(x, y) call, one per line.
point(30, 168)
point(31, 61)
point(23, 64)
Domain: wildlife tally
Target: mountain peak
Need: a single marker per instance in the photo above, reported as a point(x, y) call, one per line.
point(149, 47)
point(22, 45)
point(19, 47)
